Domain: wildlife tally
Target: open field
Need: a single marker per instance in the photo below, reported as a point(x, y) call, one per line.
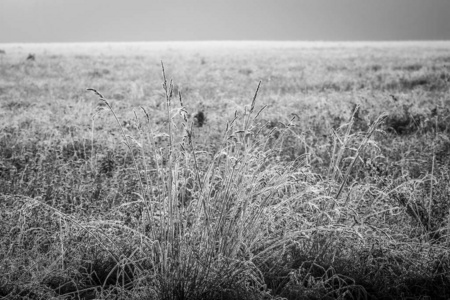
point(331, 182)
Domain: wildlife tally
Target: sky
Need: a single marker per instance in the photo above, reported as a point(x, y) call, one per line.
point(37, 21)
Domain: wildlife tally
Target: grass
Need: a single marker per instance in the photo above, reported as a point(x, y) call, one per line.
point(328, 180)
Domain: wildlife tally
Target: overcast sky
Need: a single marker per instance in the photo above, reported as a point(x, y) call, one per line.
point(187, 20)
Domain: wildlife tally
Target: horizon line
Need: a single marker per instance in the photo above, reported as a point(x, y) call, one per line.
point(234, 41)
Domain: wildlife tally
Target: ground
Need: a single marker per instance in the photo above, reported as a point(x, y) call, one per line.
point(263, 170)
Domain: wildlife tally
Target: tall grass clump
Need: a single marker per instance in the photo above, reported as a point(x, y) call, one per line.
point(207, 222)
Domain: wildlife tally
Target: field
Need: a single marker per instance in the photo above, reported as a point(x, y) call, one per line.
point(262, 171)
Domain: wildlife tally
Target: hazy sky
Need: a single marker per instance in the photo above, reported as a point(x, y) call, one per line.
point(166, 20)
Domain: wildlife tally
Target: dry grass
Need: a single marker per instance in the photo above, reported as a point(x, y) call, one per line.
point(305, 189)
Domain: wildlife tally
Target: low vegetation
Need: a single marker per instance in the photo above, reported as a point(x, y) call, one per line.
point(327, 180)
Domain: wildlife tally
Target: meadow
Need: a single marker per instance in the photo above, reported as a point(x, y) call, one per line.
point(224, 170)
